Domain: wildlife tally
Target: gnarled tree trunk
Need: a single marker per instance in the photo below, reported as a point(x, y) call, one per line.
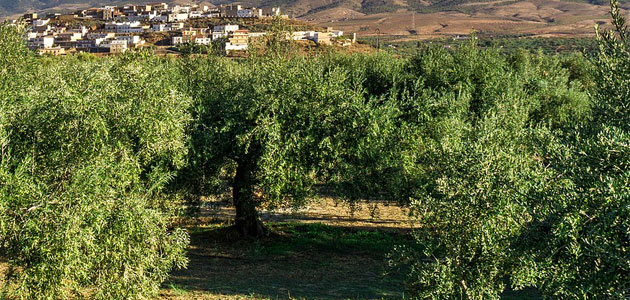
point(247, 221)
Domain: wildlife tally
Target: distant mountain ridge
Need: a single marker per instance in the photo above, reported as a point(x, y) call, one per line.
point(295, 8)
point(11, 7)
point(15, 7)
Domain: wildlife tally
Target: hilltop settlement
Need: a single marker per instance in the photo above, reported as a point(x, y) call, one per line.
point(115, 29)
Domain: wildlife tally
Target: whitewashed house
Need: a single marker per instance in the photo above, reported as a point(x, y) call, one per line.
point(218, 34)
point(41, 22)
point(41, 42)
point(178, 40)
point(133, 40)
point(195, 14)
point(225, 28)
point(175, 17)
point(203, 41)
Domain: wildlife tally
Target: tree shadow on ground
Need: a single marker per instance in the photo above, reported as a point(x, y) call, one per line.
point(312, 261)
point(324, 251)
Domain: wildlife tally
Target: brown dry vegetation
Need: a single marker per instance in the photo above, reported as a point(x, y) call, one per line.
point(3, 271)
point(323, 210)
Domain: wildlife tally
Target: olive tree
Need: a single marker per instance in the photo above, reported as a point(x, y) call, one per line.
point(481, 119)
point(525, 171)
point(275, 127)
point(87, 146)
point(580, 234)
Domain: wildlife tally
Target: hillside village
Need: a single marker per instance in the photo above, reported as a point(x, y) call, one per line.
point(116, 29)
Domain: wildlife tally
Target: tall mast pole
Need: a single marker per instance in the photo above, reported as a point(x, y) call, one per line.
point(413, 16)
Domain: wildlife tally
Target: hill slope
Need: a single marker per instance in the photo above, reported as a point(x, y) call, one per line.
point(411, 18)
point(542, 18)
point(16, 7)
point(296, 8)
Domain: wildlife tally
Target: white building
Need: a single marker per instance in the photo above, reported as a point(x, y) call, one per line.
point(178, 40)
point(203, 41)
point(131, 40)
point(225, 28)
point(235, 47)
point(42, 42)
point(195, 14)
point(41, 22)
point(125, 27)
point(177, 17)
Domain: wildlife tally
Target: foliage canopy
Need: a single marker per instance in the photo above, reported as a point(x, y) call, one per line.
point(86, 149)
point(515, 166)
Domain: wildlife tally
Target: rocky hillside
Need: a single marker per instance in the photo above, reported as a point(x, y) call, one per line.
point(16, 7)
point(295, 8)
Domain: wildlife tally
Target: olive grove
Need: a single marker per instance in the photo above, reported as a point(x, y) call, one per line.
point(515, 167)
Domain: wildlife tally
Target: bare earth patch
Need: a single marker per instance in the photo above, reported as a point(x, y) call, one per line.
point(4, 268)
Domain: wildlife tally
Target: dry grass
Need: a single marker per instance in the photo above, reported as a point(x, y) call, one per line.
point(362, 214)
point(4, 268)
